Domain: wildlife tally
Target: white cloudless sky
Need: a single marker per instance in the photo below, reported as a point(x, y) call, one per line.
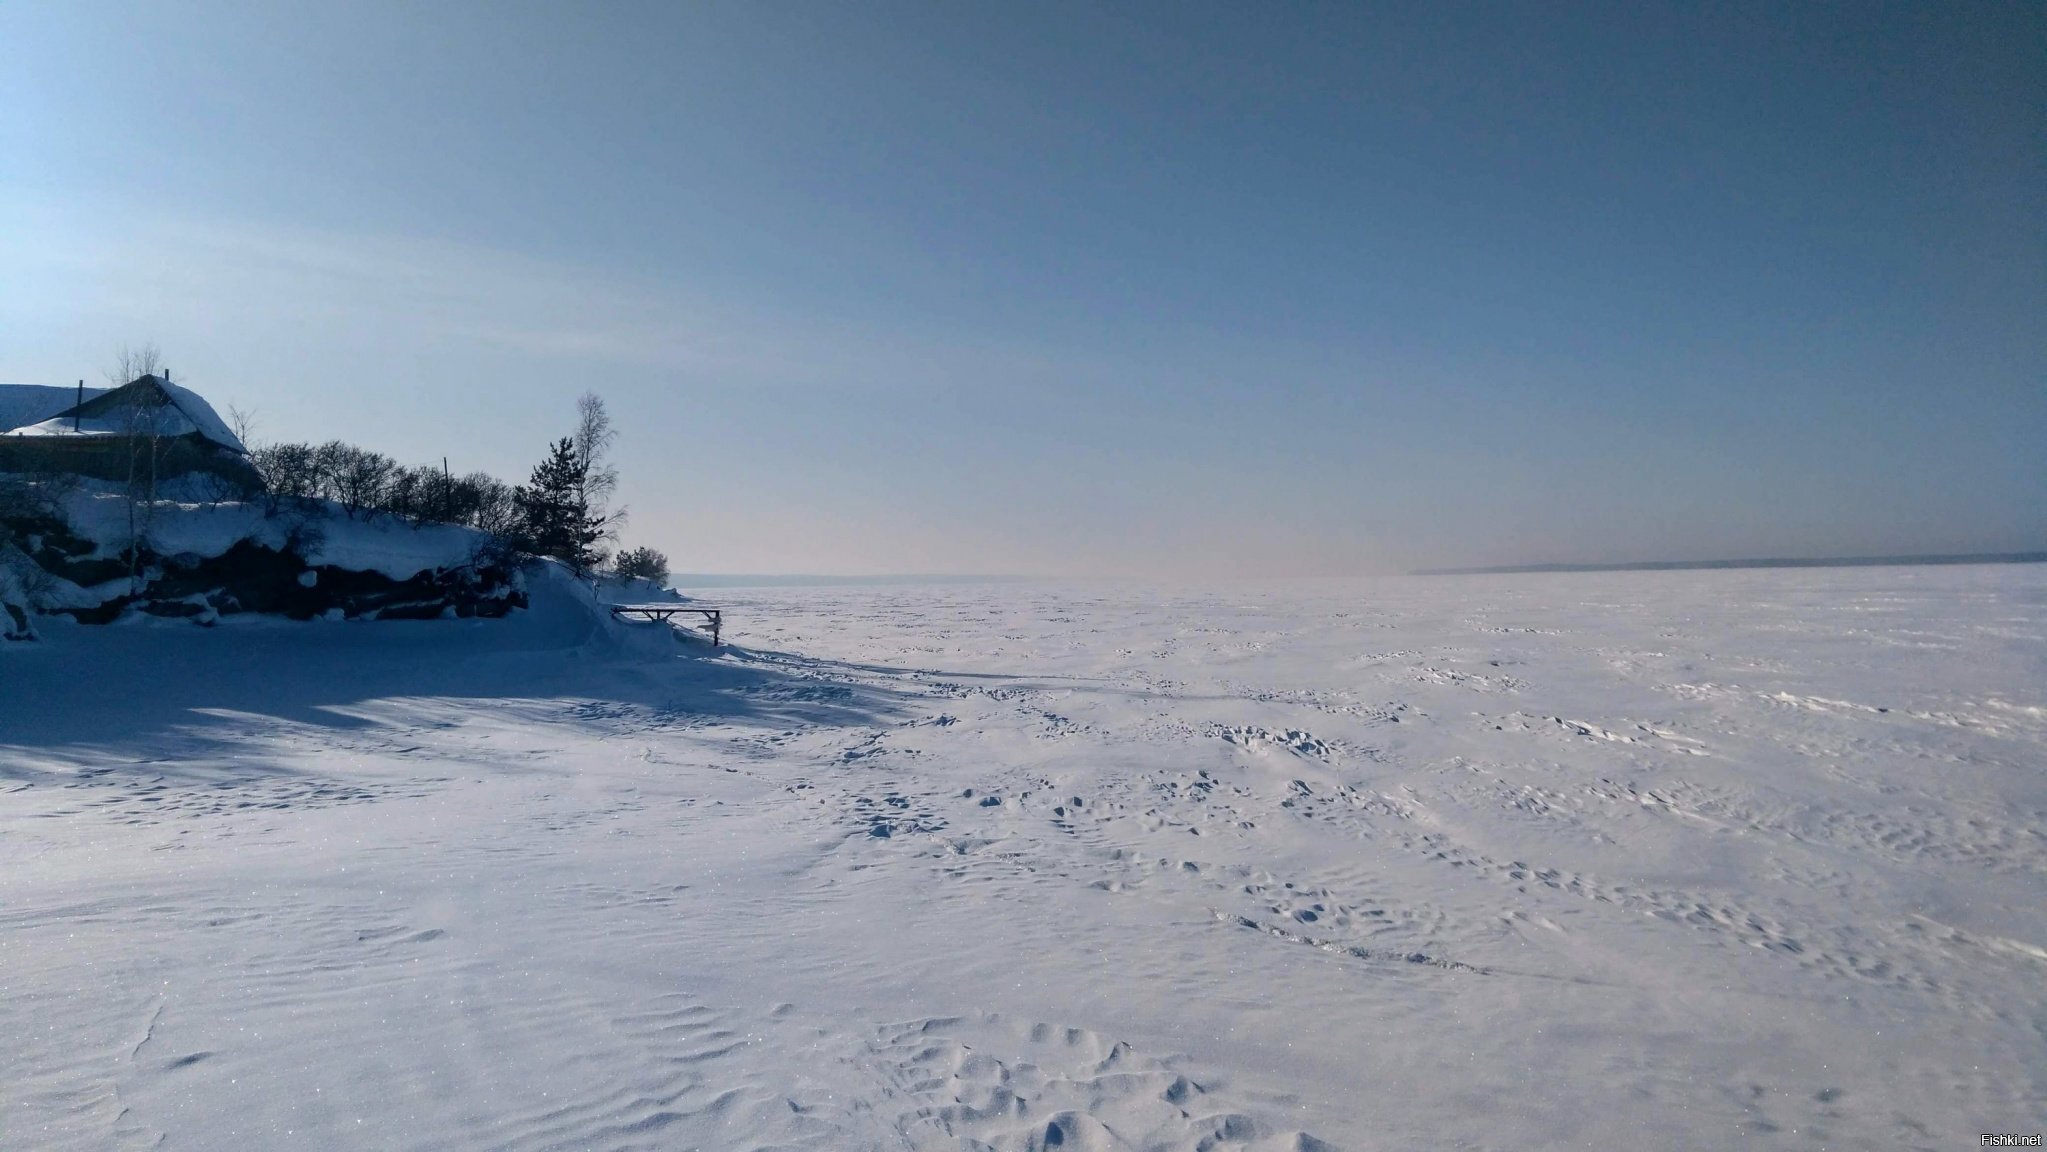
point(1177, 289)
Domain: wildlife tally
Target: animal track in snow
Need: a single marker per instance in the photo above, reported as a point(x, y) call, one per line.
point(893, 814)
point(988, 1083)
point(159, 799)
point(1356, 952)
point(1263, 739)
point(1472, 680)
point(1640, 733)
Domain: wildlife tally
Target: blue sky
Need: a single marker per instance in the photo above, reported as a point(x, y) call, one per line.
point(1147, 289)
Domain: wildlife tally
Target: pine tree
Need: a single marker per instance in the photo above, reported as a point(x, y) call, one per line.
point(555, 515)
point(561, 510)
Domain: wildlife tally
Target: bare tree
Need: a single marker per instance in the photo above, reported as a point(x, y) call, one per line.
point(140, 432)
point(132, 363)
point(596, 478)
point(242, 422)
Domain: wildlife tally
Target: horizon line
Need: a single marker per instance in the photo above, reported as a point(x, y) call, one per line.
point(1948, 558)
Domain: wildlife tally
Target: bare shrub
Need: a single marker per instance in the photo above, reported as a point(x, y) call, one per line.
point(290, 472)
point(488, 504)
point(355, 478)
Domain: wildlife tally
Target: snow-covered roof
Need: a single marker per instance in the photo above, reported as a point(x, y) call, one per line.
point(24, 404)
point(172, 410)
point(207, 422)
point(164, 421)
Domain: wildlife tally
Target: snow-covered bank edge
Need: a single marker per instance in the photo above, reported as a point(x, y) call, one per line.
point(83, 550)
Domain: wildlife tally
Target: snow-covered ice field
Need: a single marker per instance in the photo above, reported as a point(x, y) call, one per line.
point(1634, 860)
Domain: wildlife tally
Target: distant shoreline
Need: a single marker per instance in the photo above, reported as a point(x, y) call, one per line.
point(1689, 565)
point(804, 580)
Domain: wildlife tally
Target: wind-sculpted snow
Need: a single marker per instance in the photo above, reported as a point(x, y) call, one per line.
point(1658, 860)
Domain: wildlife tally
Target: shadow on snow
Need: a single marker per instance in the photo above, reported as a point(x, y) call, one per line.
point(174, 701)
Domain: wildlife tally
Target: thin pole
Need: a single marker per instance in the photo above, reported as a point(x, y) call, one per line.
point(75, 417)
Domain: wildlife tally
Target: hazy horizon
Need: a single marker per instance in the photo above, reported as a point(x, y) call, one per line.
point(683, 580)
point(1085, 290)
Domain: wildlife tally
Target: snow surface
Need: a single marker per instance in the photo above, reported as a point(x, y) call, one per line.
point(1617, 860)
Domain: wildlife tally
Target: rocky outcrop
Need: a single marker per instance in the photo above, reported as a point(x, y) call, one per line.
point(252, 578)
point(77, 578)
point(17, 621)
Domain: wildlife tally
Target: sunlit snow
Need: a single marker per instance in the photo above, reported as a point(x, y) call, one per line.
point(1639, 860)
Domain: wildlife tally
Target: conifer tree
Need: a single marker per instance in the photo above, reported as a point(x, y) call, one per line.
point(562, 510)
point(555, 515)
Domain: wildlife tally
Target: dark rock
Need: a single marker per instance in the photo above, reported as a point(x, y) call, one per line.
point(250, 577)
